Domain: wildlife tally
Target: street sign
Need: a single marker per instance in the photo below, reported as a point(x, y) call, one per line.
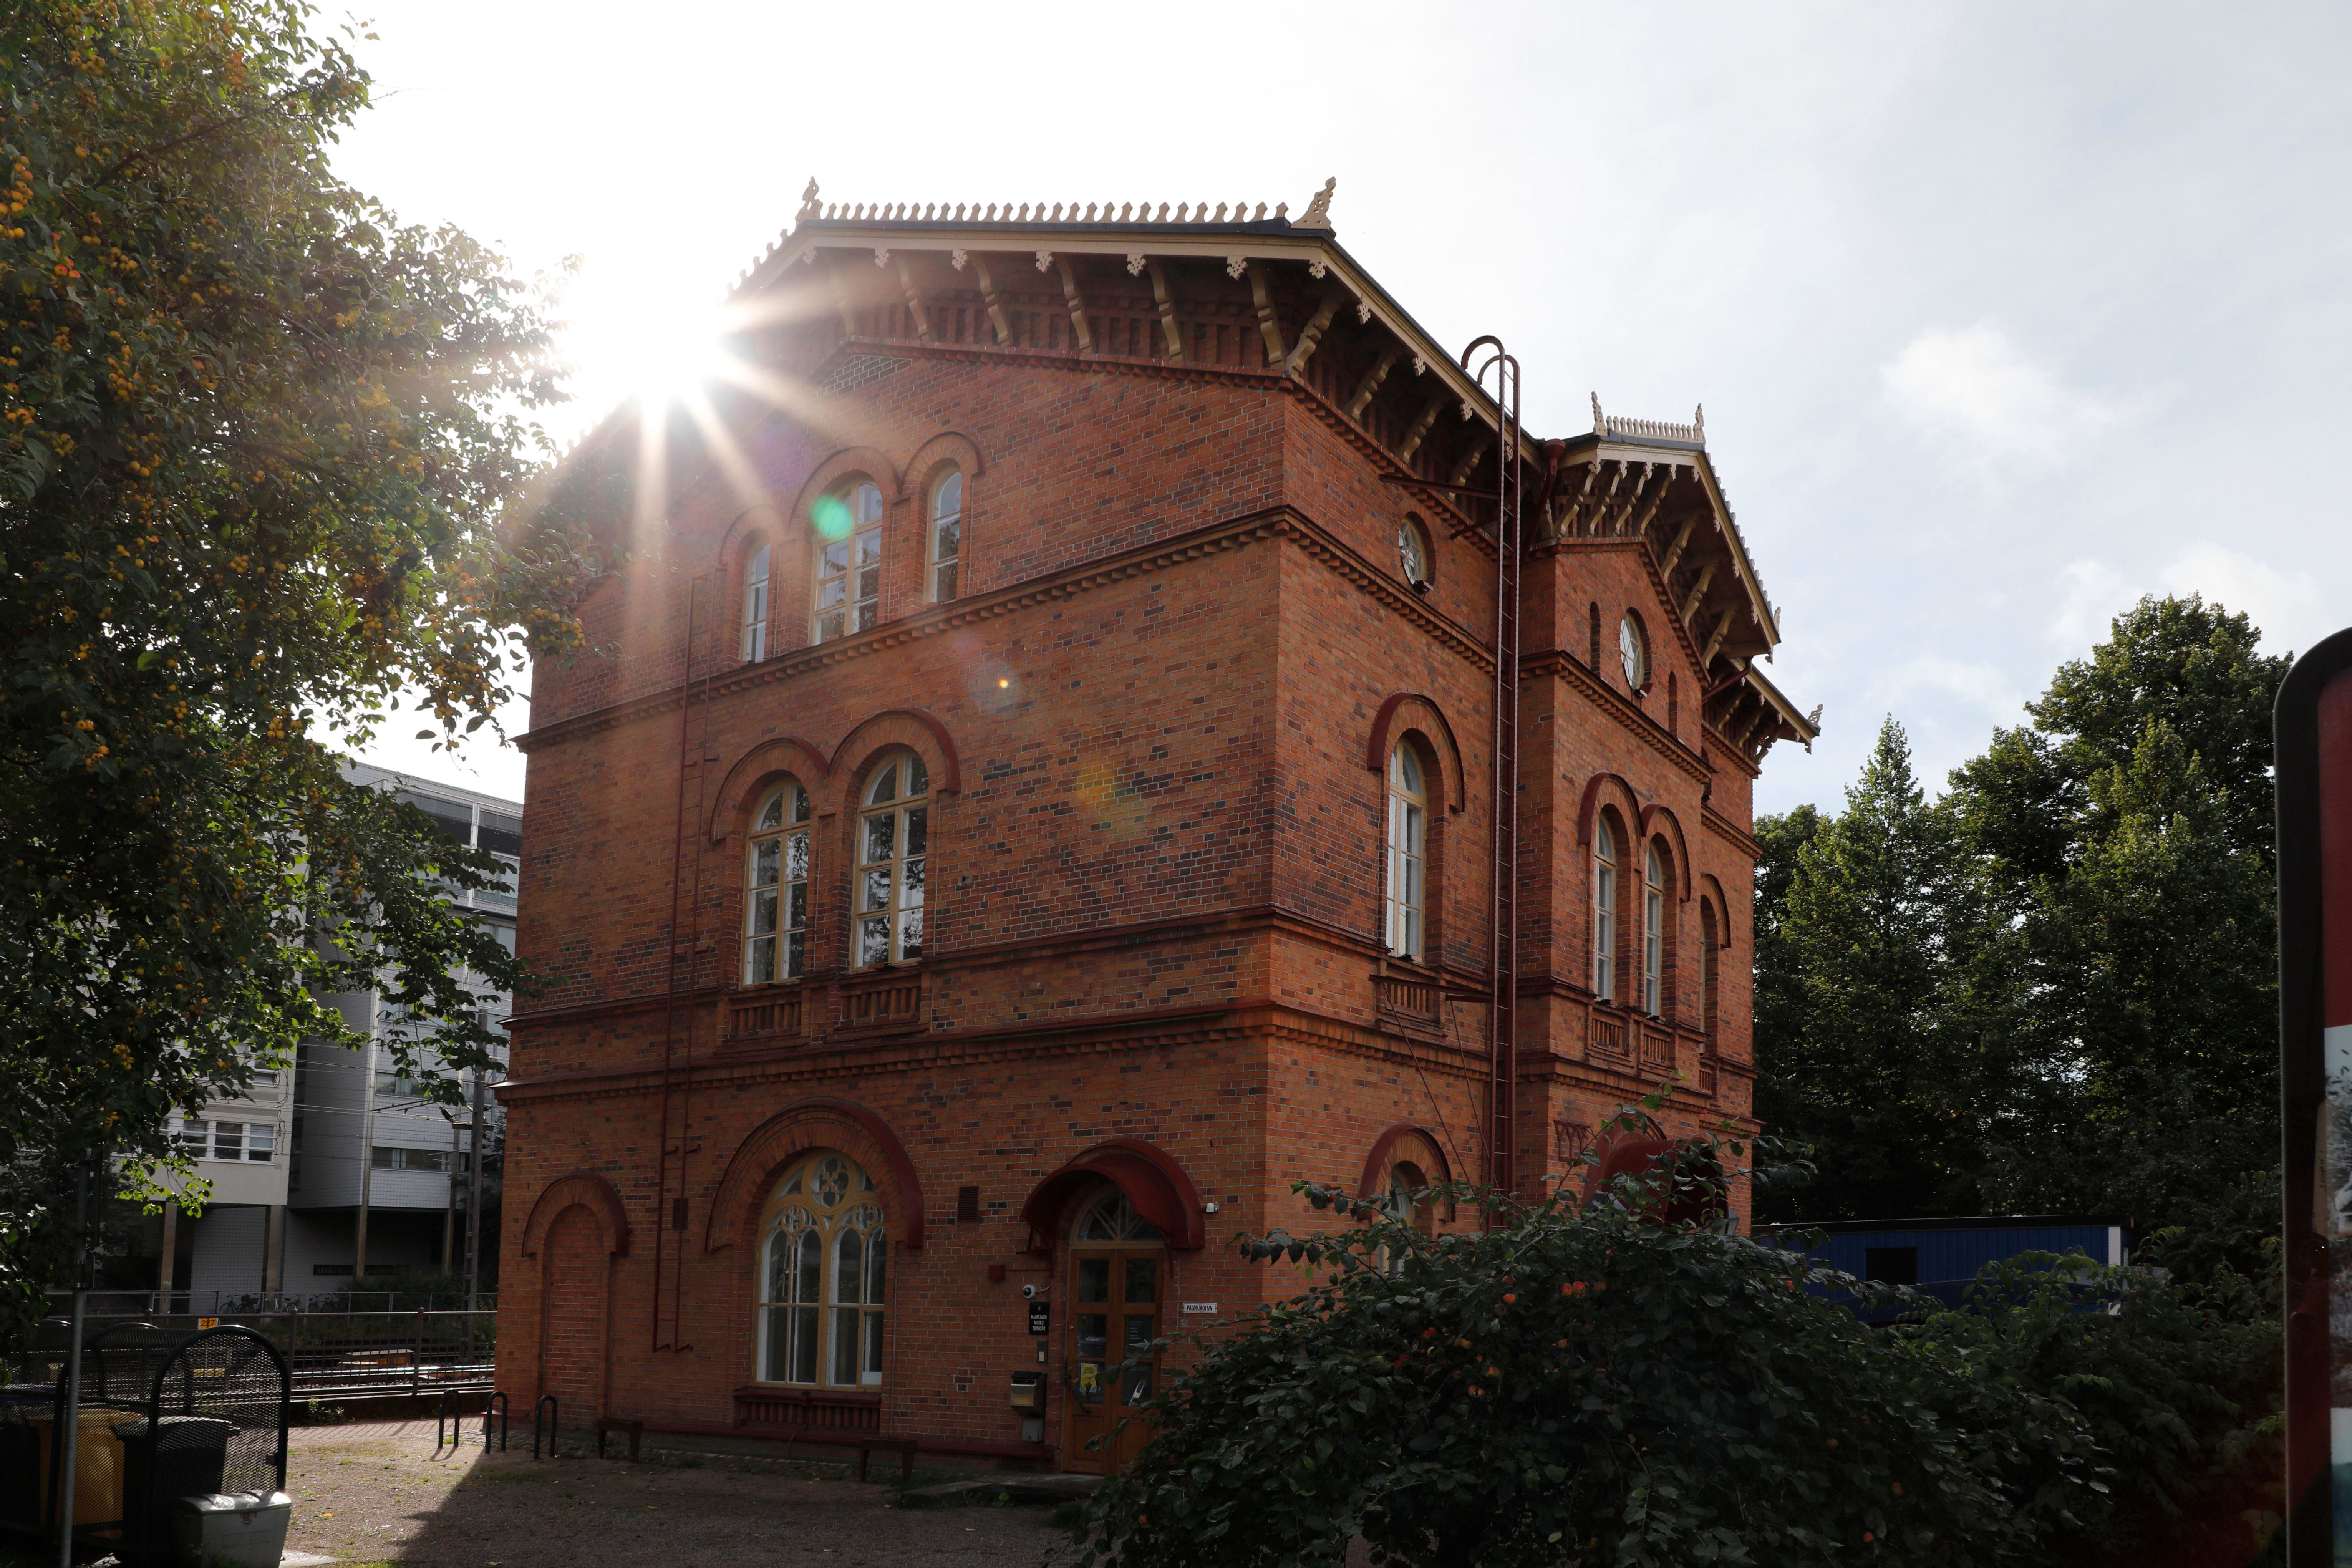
point(2313, 740)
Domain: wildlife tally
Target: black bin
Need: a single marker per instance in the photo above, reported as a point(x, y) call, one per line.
point(20, 1452)
point(184, 1456)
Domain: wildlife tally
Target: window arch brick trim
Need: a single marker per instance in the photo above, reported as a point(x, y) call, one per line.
point(946, 446)
point(582, 1189)
point(1652, 815)
point(1722, 910)
point(747, 529)
point(886, 475)
point(1408, 712)
point(819, 1121)
point(1405, 1138)
point(1152, 1179)
point(1589, 810)
point(912, 727)
point(756, 772)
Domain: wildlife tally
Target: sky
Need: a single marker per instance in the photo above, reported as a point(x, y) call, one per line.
point(2002, 315)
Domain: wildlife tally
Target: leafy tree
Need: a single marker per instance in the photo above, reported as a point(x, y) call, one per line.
point(1863, 1048)
point(262, 466)
point(2121, 846)
point(1576, 1383)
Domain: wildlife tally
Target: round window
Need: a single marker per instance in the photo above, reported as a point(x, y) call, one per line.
point(1633, 650)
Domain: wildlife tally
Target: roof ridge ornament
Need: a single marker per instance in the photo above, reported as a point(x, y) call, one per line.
point(1318, 211)
point(810, 206)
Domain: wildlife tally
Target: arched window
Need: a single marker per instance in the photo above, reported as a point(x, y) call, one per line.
point(849, 525)
point(1708, 938)
point(1673, 702)
point(1408, 852)
point(1633, 652)
point(1412, 550)
point(1653, 928)
point(893, 837)
point(947, 535)
point(755, 606)
point(1604, 912)
point(775, 895)
point(825, 1255)
point(1113, 1219)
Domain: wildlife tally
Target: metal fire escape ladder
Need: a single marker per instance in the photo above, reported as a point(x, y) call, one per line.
point(684, 893)
point(1503, 1001)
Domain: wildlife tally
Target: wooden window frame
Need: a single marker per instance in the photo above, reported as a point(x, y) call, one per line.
point(1605, 883)
point(944, 571)
point(792, 832)
point(903, 865)
point(1404, 894)
point(811, 1331)
point(857, 536)
point(759, 578)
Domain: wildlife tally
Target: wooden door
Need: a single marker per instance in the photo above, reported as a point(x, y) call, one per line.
point(1114, 1298)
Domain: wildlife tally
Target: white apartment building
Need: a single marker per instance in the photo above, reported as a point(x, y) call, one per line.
point(339, 1156)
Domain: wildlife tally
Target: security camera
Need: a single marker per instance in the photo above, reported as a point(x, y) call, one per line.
point(1028, 1292)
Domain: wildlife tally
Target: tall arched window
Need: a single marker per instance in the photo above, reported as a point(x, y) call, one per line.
point(947, 535)
point(1708, 938)
point(1408, 852)
point(755, 606)
point(1653, 928)
point(848, 560)
point(1604, 912)
point(893, 839)
point(1593, 654)
point(824, 1256)
point(775, 896)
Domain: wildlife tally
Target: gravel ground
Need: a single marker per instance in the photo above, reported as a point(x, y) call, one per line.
point(376, 1494)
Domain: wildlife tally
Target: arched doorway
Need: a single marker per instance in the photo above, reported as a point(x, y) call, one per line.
point(1119, 1272)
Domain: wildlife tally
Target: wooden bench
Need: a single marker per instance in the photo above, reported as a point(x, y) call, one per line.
point(635, 1430)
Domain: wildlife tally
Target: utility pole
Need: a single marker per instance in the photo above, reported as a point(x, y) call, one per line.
point(367, 1160)
point(474, 1202)
point(69, 1428)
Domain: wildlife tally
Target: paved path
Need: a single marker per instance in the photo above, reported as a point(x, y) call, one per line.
point(374, 1494)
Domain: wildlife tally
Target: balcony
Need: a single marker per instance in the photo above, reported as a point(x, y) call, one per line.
point(1408, 999)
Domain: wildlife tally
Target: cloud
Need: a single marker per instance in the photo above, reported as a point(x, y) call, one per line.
point(1981, 685)
point(2290, 608)
point(1975, 385)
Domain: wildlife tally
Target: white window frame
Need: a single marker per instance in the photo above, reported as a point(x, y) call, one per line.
point(755, 605)
point(824, 1251)
point(1633, 652)
point(776, 887)
point(1653, 930)
point(1407, 892)
point(1604, 911)
point(848, 527)
point(893, 850)
point(945, 533)
point(1412, 540)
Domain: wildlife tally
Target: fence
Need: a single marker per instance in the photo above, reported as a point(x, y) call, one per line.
point(231, 1303)
point(335, 1355)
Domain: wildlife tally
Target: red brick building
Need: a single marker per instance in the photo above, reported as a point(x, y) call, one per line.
point(1029, 801)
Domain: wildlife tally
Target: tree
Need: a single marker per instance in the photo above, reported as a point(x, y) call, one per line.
point(2122, 848)
point(1576, 1382)
point(1862, 1048)
point(262, 467)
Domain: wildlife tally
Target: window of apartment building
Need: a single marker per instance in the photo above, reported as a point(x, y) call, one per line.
point(385, 1158)
point(249, 1142)
point(755, 606)
point(893, 840)
point(1412, 550)
point(947, 535)
point(1654, 929)
point(775, 902)
point(848, 561)
point(477, 827)
point(1604, 911)
point(1407, 852)
point(823, 1262)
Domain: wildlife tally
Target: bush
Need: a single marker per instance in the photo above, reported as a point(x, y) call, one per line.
point(1579, 1384)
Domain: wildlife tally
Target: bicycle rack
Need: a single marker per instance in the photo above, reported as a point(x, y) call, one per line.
point(498, 1403)
point(554, 1413)
point(445, 1417)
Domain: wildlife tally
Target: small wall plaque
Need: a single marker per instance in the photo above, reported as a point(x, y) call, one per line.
point(1200, 1309)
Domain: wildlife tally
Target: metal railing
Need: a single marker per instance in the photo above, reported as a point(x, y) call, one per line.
point(237, 1304)
point(340, 1355)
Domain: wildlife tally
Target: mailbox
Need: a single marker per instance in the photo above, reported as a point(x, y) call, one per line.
point(1028, 1395)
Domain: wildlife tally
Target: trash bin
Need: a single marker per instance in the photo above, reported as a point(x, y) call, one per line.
point(22, 1403)
point(184, 1456)
point(97, 1464)
point(240, 1527)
